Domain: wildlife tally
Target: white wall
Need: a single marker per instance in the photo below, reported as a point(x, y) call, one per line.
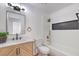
point(66, 41)
point(2, 17)
point(65, 14)
point(36, 20)
point(45, 27)
point(33, 20)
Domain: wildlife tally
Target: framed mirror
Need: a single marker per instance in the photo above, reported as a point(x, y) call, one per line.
point(15, 22)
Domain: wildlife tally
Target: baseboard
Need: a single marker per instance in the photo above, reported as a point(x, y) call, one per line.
point(55, 52)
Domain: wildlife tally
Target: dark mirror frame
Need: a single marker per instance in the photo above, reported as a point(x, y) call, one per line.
point(16, 13)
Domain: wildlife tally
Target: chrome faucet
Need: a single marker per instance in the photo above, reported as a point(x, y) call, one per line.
point(17, 36)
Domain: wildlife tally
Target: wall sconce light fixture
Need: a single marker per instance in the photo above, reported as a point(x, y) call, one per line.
point(17, 8)
point(77, 14)
point(49, 20)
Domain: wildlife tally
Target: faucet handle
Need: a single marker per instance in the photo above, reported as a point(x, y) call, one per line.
point(20, 38)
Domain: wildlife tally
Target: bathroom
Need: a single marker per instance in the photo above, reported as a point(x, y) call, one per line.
point(34, 29)
point(25, 27)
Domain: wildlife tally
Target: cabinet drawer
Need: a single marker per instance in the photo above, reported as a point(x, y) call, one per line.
point(26, 45)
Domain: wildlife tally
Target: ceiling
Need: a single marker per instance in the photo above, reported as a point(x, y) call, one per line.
point(46, 7)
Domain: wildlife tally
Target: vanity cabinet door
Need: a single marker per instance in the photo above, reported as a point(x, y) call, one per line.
point(12, 53)
point(6, 50)
point(26, 49)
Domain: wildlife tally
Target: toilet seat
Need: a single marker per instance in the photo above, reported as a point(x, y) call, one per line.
point(44, 49)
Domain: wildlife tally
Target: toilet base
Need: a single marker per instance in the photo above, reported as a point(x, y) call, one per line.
point(40, 54)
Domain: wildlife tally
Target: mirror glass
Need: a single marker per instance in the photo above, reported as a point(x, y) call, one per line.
point(15, 23)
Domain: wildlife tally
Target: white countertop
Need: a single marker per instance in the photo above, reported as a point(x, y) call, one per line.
point(10, 42)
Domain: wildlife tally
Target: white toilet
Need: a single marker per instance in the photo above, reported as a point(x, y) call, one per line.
point(42, 49)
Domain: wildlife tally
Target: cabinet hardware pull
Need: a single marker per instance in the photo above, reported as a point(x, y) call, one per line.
point(17, 51)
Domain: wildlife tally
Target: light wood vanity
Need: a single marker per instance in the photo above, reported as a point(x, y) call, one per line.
point(20, 49)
